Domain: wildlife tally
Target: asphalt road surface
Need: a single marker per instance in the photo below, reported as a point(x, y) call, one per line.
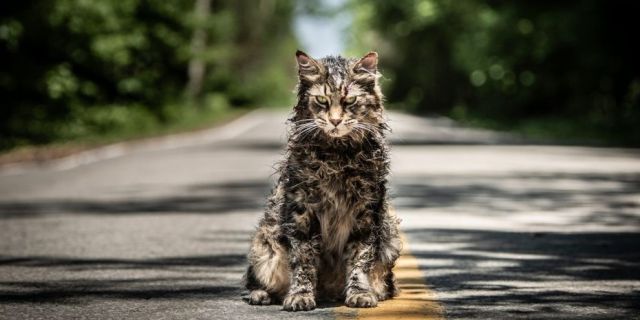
point(159, 230)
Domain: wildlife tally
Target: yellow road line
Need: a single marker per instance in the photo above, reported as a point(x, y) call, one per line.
point(415, 300)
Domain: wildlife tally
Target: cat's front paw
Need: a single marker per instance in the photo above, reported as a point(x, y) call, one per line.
point(259, 297)
point(299, 302)
point(361, 300)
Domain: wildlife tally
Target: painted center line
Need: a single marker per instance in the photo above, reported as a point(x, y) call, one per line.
point(415, 301)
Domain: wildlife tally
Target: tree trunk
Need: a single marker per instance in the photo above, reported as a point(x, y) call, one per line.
point(197, 65)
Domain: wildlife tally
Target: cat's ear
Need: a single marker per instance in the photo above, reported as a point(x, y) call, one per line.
point(368, 64)
point(304, 61)
point(308, 68)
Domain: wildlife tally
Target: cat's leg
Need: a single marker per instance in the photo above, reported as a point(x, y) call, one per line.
point(382, 281)
point(303, 264)
point(300, 227)
point(267, 276)
point(258, 292)
point(259, 297)
point(358, 291)
point(388, 245)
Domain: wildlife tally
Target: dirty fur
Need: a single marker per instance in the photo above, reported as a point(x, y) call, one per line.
point(327, 232)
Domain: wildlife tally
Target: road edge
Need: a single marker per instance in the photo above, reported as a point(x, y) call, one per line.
point(222, 132)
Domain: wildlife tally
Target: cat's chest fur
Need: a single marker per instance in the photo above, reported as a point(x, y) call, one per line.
point(338, 186)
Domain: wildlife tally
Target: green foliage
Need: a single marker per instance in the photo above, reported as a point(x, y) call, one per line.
point(510, 62)
point(73, 68)
point(112, 123)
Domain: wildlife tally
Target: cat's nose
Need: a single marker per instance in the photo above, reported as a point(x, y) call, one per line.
point(335, 122)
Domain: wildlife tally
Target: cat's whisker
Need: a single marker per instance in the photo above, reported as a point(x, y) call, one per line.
point(302, 132)
point(303, 121)
point(365, 128)
point(299, 136)
point(376, 129)
point(302, 137)
point(304, 127)
point(305, 130)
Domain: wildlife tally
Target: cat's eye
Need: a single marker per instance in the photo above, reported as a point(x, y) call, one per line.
point(322, 99)
point(350, 100)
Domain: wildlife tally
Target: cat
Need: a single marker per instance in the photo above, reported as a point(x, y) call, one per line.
point(328, 231)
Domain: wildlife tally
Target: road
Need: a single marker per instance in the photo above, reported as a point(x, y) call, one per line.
point(159, 230)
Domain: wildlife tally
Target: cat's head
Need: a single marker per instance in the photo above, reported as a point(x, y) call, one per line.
point(338, 97)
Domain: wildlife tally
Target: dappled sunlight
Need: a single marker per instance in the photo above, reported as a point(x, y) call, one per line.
point(415, 300)
point(499, 272)
point(525, 237)
point(530, 202)
point(72, 280)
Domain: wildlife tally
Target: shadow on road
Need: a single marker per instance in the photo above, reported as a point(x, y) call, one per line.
point(599, 199)
point(164, 263)
point(490, 274)
point(478, 273)
point(78, 291)
point(207, 199)
point(194, 278)
point(568, 269)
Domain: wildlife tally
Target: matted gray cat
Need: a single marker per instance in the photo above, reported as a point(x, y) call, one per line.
point(327, 232)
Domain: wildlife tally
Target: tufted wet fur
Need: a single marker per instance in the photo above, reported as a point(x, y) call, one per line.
point(327, 232)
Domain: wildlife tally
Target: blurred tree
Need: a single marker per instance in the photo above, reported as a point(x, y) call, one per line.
point(77, 67)
point(197, 66)
point(510, 62)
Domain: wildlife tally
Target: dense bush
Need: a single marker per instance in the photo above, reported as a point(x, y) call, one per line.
point(563, 67)
point(77, 67)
